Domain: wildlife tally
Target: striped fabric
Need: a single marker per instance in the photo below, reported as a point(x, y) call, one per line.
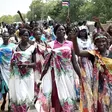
point(65, 3)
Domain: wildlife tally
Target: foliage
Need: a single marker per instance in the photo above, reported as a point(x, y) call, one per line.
point(36, 9)
point(79, 10)
point(6, 18)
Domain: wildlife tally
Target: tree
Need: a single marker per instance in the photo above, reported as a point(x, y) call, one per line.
point(6, 19)
point(36, 8)
point(79, 10)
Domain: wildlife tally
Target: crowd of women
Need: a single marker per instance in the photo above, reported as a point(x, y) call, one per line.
point(52, 66)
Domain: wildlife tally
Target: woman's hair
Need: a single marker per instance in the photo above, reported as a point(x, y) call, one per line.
point(31, 22)
point(22, 31)
point(37, 29)
point(68, 30)
point(108, 30)
point(56, 28)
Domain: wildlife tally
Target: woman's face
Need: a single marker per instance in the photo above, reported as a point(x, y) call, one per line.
point(6, 37)
point(60, 32)
point(83, 33)
point(69, 35)
point(37, 35)
point(33, 24)
point(25, 37)
point(101, 44)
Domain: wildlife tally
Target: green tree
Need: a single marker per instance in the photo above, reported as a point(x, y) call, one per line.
point(6, 19)
point(16, 18)
point(36, 8)
point(79, 10)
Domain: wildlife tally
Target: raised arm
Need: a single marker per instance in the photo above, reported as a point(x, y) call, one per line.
point(76, 47)
point(96, 19)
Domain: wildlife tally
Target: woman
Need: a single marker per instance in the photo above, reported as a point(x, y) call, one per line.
point(13, 38)
point(99, 96)
point(85, 63)
point(6, 50)
point(59, 73)
point(21, 83)
point(39, 51)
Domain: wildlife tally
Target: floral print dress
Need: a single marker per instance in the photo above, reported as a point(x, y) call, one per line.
point(86, 76)
point(102, 83)
point(21, 83)
point(40, 49)
point(6, 52)
point(58, 83)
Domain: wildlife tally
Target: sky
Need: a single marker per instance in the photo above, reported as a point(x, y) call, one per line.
point(12, 6)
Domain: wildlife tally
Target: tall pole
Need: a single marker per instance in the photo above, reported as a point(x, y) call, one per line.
point(69, 9)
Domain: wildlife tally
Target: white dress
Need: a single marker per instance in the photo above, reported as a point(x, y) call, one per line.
point(21, 83)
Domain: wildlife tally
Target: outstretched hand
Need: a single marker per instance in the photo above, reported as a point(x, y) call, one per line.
point(96, 19)
point(74, 33)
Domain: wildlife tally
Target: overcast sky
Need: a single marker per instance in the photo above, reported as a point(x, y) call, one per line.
point(12, 6)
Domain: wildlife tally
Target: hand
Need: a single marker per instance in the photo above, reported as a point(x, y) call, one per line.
point(96, 19)
point(74, 33)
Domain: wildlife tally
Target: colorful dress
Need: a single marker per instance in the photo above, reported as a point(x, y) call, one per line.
point(58, 83)
point(86, 75)
point(6, 52)
point(21, 83)
point(40, 49)
point(102, 84)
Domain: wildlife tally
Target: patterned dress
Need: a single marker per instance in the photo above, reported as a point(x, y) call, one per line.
point(86, 75)
point(21, 83)
point(102, 83)
point(6, 52)
point(58, 83)
point(40, 50)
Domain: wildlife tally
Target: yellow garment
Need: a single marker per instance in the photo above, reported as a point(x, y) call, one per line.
point(17, 33)
point(106, 61)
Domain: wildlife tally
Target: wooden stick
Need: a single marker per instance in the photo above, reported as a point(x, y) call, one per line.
point(21, 16)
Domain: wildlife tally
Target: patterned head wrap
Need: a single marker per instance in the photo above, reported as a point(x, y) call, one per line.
point(100, 36)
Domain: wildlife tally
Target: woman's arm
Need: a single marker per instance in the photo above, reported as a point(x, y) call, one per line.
point(75, 64)
point(33, 64)
point(46, 67)
point(76, 47)
point(96, 19)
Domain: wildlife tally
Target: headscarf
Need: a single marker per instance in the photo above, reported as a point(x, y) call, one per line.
point(100, 35)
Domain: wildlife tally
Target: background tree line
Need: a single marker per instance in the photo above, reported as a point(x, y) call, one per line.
point(79, 10)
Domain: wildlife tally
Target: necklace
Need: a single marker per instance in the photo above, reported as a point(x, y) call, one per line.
point(23, 48)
